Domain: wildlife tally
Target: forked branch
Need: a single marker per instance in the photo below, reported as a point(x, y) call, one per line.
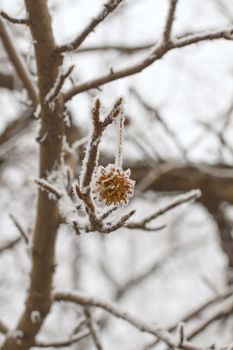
point(108, 8)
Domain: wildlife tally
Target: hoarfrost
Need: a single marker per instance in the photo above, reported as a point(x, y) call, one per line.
point(52, 91)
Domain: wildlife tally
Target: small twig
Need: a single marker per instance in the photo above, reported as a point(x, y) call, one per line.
point(184, 198)
point(64, 343)
point(118, 47)
point(20, 229)
point(14, 20)
point(157, 52)
point(219, 135)
point(162, 122)
point(196, 313)
point(116, 311)
point(80, 323)
point(9, 245)
point(113, 113)
point(181, 333)
point(82, 299)
point(109, 7)
point(108, 212)
point(91, 324)
point(223, 311)
point(120, 223)
point(46, 186)
point(169, 21)
point(18, 62)
point(54, 92)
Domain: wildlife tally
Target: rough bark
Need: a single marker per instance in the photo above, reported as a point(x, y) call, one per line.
point(43, 251)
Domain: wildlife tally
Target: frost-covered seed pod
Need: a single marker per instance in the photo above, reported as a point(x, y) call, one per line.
point(113, 185)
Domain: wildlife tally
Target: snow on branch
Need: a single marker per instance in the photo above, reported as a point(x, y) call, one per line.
point(157, 52)
point(111, 185)
point(179, 200)
point(108, 8)
point(55, 90)
point(53, 192)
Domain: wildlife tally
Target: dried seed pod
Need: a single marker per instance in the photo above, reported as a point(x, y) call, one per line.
point(113, 185)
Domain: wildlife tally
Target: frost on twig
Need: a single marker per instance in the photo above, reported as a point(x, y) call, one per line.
point(108, 8)
point(179, 200)
point(56, 88)
point(100, 191)
point(110, 185)
point(53, 192)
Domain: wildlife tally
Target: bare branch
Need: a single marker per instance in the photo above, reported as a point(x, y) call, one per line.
point(46, 186)
point(219, 135)
point(20, 229)
point(181, 334)
point(156, 53)
point(108, 212)
point(93, 329)
point(223, 311)
point(196, 312)
point(122, 48)
point(157, 115)
point(169, 21)
point(9, 245)
point(158, 332)
point(18, 62)
point(81, 299)
point(119, 223)
point(187, 197)
point(54, 92)
point(109, 7)
point(60, 344)
point(14, 20)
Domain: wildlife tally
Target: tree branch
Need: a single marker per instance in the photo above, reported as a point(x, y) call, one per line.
point(170, 21)
point(179, 200)
point(14, 20)
point(64, 343)
point(158, 332)
point(159, 51)
point(20, 229)
point(9, 245)
point(47, 215)
point(93, 329)
point(18, 62)
point(109, 7)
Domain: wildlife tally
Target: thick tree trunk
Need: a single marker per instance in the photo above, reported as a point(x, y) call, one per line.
point(52, 128)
